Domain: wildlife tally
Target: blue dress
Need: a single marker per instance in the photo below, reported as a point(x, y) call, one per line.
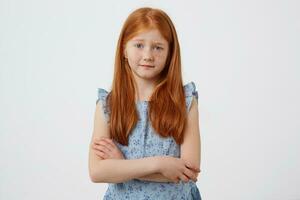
point(145, 142)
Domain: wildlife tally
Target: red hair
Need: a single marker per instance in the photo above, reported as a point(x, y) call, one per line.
point(167, 108)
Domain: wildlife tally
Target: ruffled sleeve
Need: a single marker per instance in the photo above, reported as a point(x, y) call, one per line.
point(190, 92)
point(102, 95)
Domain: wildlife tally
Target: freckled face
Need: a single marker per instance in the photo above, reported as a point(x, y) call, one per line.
point(147, 54)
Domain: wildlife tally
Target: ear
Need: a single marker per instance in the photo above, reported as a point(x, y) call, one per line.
point(125, 53)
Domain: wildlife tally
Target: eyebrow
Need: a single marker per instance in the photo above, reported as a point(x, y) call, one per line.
point(143, 41)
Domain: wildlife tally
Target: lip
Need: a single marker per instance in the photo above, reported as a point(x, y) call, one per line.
point(150, 66)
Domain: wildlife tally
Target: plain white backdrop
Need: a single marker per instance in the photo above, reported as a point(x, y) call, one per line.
point(242, 55)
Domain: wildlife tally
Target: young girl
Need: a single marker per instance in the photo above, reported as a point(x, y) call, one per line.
point(146, 138)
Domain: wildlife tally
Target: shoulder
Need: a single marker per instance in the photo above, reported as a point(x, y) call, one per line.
point(101, 102)
point(101, 94)
point(101, 118)
point(190, 89)
point(191, 94)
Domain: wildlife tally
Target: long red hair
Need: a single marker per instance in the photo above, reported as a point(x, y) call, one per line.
point(167, 110)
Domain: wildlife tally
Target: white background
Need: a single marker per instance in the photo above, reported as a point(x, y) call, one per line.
point(242, 55)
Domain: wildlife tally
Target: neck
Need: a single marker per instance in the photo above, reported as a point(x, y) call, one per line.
point(144, 88)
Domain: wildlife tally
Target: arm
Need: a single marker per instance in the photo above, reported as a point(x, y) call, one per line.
point(130, 169)
point(155, 177)
point(102, 163)
point(106, 149)
point(109, 170)
point(190, 149)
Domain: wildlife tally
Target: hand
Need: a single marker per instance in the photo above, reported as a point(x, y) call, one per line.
point(105, 148)
point(177, 169)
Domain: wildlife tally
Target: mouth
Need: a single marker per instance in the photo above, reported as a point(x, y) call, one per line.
point(148, 66)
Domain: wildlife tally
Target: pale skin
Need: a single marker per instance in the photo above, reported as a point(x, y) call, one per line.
point(148, 48)
point(105, 148)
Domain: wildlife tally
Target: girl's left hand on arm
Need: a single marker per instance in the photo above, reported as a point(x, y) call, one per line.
point(106, 149)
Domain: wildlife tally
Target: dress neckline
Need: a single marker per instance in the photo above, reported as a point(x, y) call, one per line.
point(144, 102)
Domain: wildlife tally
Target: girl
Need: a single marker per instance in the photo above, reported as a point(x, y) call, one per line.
point(146, 138)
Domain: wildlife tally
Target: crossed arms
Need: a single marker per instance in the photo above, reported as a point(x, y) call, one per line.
point(107, 164)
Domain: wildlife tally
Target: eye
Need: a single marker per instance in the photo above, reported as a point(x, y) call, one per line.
point(138, 45)
point(158, 48)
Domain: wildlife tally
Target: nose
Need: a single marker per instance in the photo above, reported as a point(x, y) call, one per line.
point(148, 56)
point(148, 59)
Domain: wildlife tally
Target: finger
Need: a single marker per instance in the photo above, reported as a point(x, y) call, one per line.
point(193, 167)
point(97, 139)
point(184, 178)
point(102, 148)
point(103, 143)
point(101, 154)
point(113, 146)
point(110, 142)
point(190, 174)
point(106, 143)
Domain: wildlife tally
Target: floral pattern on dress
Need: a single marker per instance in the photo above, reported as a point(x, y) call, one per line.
point(145, 142)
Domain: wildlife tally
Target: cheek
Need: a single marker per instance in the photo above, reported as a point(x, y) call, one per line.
point(133, 51)
point(133, 60)
point(161, 58)
point(134, 55)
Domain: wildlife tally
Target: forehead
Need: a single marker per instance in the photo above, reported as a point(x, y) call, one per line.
point(152, 35)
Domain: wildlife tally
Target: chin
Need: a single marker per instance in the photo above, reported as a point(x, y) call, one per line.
point(146, 77)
